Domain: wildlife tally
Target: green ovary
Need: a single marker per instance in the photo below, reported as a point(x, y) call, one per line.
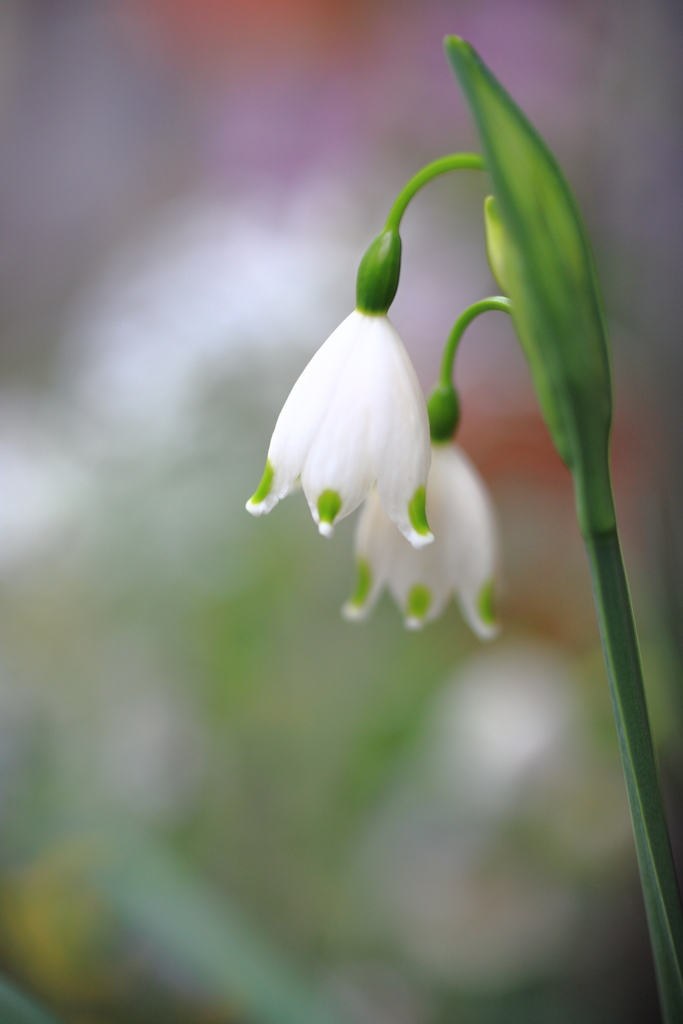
point(263, 489)
point(363, 584)
point(486, 604)
point(419, 601)
point(329, 504)
point(417, 512)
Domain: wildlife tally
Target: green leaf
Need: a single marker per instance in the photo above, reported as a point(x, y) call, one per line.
point(17, 1008)
point(539, 251)
point(550, 277)
point(161, 899)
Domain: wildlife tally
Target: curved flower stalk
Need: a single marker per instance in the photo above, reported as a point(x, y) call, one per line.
point(356, 415)
point(462, 562)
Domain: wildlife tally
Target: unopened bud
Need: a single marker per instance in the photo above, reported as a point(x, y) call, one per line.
point(495, 243)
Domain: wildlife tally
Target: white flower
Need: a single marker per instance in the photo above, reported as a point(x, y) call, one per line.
point(462, 561)
point(356, 415)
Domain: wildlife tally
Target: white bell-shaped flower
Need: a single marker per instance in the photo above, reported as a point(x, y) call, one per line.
point(462, 561)
point(356, 415)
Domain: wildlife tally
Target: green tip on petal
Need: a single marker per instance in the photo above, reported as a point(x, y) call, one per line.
point(486, 605)
point(417, 513)
point(329, 505)
point(363, 583)
point(418, 604)
point(354, 605)
point(263, 489)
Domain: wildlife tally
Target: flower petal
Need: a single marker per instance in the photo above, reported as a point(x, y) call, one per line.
point(464, 521)
point(302, 413)
point(376, 541)
point(418, 581)
point(462, 560)
point(338, 459)
point(399, 435)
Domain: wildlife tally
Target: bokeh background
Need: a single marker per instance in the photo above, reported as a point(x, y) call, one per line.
point(219, 802)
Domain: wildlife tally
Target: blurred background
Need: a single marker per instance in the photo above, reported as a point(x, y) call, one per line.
point(219, 802)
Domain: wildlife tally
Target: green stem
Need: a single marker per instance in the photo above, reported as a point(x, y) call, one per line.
point(453, 162)
point(459, 328)
point(443, 405)
point(620, 644)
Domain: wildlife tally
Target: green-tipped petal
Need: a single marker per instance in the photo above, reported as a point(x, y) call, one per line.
point(417, 605)
point(417, 513)
point(363, 583)
point(355, 607)
point(486, 604)
point(486, 609)
point(329, 506)
point(256, 503)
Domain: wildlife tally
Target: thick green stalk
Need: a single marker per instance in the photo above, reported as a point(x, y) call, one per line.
point(620, 644)
point(453, 162)
point(540, 251)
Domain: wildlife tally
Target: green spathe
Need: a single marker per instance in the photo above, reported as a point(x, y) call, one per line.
point(550, 277)
point(495, 242)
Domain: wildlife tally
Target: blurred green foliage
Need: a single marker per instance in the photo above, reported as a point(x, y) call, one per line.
point(218, 784)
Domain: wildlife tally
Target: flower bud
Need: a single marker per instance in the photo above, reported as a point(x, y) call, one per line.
point(540, 249)
point(378, 274)
point(495, 243)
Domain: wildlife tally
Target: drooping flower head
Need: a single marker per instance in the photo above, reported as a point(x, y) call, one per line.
point(462, 562)
point(356, 416)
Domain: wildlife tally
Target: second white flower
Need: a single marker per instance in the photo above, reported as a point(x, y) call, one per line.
point(462, 562)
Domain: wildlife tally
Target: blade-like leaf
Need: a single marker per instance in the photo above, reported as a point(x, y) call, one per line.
point(165, 902)
point(540, 252)
point(550, 278)
point(17, 1008)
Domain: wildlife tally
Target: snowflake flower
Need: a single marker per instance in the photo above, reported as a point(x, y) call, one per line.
point(462, 561)
point(355, 416)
